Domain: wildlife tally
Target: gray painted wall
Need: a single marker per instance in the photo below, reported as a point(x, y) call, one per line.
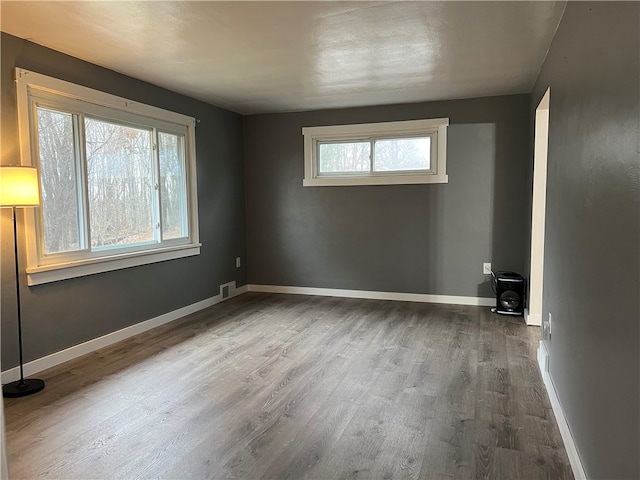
point(428, 239)
point(592, 245)
point(62, 314)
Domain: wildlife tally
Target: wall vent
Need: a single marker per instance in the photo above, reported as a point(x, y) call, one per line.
point(228, 290)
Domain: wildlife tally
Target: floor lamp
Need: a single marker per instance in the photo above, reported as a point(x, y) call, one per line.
point(19, 189)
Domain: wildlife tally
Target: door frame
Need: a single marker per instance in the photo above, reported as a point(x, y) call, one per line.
point(538, 211)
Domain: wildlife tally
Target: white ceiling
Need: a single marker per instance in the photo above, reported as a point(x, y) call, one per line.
point(254, 57)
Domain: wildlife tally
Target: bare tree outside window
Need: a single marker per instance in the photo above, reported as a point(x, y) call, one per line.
point(389, 155)
point(58, 175)
point(400, 154)
point(117, 180)
point(120, 183)
point(344, 157)
point(172, 186)
point(123, 204)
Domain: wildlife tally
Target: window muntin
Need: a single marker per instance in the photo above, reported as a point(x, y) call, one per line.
point(117, 180)
point(376, 153)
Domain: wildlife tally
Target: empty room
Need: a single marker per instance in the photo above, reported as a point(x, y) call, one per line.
point(320, 240)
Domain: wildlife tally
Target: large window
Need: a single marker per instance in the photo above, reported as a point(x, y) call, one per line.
point(117, 180)
point(376, 153)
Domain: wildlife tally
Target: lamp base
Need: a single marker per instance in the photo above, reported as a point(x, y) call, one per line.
point(22, 388)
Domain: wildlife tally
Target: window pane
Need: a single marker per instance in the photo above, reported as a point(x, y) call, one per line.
point(58, 177)
point(402, 154)
point(172, 186)
point(120, 183)
point(344, 157)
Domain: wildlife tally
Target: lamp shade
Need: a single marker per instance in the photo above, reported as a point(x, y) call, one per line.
point(19, 187)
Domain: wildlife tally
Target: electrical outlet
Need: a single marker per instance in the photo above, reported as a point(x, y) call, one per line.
point(486, 268)
point(237, 262)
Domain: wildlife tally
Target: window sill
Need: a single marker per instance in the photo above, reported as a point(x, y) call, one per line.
point(53, 273)
point(374, 180)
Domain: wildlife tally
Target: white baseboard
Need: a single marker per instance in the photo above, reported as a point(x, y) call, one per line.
point(533, 319)
point(403, 297)
point(76, 351)
point(565, 432)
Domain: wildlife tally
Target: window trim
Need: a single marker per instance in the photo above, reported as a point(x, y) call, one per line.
point(39, 271)
point(436, 128)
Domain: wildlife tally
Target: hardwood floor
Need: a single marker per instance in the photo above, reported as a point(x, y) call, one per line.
point(298, 387)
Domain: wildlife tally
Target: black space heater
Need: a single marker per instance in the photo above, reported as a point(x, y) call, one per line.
point(509, 288)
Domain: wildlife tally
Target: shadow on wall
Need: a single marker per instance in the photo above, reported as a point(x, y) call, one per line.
point(508, 216)
point(466, 217)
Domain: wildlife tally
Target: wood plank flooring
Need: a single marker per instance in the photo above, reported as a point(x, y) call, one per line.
point(267, 386)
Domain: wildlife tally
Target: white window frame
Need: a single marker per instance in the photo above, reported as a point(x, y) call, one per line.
point(435, 128)
point(33, 89)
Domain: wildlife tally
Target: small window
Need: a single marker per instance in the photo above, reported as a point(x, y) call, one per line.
point(376, 153)
point(117, 180)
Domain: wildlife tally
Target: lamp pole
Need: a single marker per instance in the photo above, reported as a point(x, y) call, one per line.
point(21, 383)
point(19, 189)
